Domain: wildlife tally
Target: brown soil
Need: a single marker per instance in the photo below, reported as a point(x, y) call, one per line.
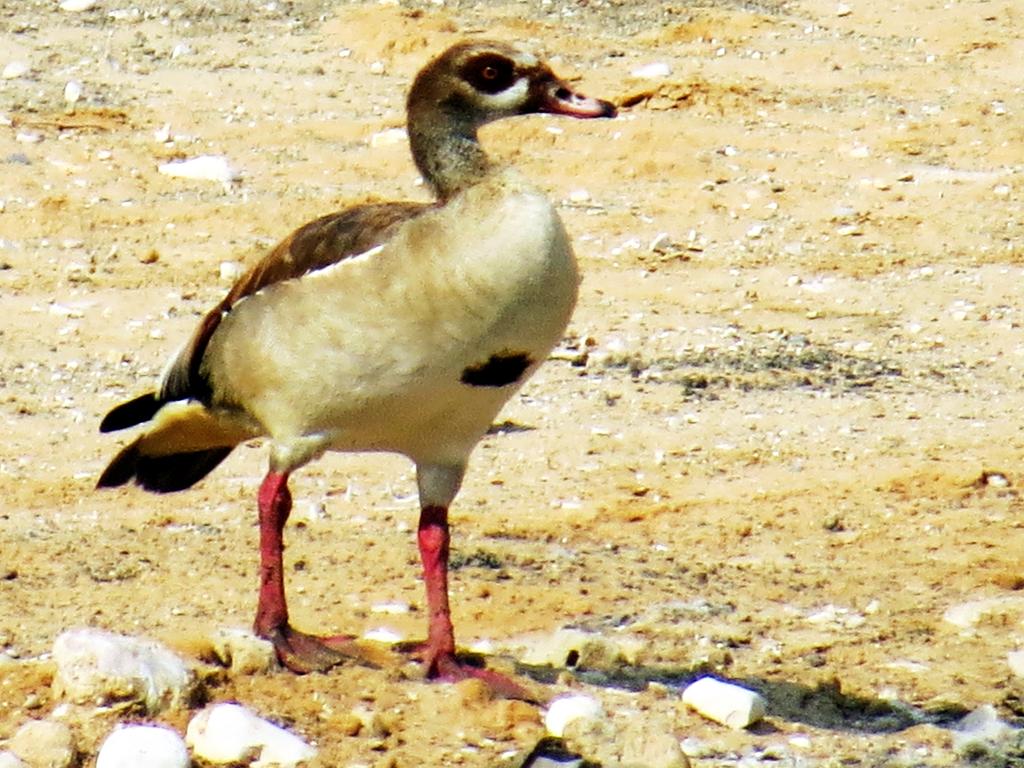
point(772, 447)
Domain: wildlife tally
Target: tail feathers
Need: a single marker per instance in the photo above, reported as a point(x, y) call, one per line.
point(161, 474)
point(136, 411)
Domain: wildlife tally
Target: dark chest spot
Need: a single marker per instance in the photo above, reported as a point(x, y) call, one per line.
point(499, 370)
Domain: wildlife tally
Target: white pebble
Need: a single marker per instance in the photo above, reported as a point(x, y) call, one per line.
point(230, 271)
point(377, 68)
point(652, 71)
point(383, 635)
point(100, 667)
point(162, 134)
point(72, 92)
point(579, 196)
point(132, 746)
point(204, 168)
point(966, 615)
point(724, 703)
point(14, 70)
point(1016, 661)
point(979, 727)
point(843, 10)
point(389, 138)
point(228, 733)
point(565, 709)
point(10, 760)
point(393, 608)
point(77, 6)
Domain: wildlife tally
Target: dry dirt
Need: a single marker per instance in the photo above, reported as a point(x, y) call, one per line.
point(778, 446)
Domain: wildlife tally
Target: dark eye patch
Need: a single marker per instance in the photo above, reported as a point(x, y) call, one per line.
point(489, 73)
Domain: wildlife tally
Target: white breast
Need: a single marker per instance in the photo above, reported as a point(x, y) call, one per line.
point(369, 353)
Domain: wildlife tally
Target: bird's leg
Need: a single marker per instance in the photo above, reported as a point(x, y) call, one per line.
point(438, 653)
point(296, 650)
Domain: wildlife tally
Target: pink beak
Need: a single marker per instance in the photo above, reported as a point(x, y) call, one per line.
point(558, 98)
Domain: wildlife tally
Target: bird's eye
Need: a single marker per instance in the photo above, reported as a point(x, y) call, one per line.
point(490, 73)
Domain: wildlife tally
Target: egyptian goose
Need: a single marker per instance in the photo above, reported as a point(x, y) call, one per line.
point(401, 327)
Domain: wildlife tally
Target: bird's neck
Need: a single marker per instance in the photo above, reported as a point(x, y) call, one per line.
point(447, 153)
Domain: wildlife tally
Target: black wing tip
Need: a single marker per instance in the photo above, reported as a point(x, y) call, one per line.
point(122, 467)
point(129, 414)
point(160, 474)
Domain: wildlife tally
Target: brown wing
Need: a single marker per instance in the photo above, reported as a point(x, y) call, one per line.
point(314, 246)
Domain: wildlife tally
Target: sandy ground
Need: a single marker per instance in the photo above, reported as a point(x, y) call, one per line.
point(779, 445)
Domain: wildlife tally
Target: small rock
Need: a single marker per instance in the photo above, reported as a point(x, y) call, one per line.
point(966, 615)
point(579, 196)
point(230, 271)
point(230, 733)
point(982, 726)
point(203, 168)
point(1016, 661)
point(626, 740)
point(243, 652)
point(77, 6)
point(14, 70)
point(44, 744)
point(100, 667)
point(574, 647)
point(552, 752)
point(72, 92)
point(384, 635)
point(10, 760)
point(565, 709)
point(132, 746)
point(843, 10)
point(724, 703)
point(652, 71)
point(389, 138)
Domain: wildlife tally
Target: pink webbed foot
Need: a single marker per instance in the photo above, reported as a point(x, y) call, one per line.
point(450, 668)
point(454, 667)
point(303, 653)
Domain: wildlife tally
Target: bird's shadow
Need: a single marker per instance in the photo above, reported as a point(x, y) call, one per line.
point(823, 705)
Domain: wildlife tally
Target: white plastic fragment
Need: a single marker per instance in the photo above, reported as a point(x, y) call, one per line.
point(203, 168)
point(100, 667)
point(132, 746)
point(566, 709)
point(230, 733)
point(724, 703)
